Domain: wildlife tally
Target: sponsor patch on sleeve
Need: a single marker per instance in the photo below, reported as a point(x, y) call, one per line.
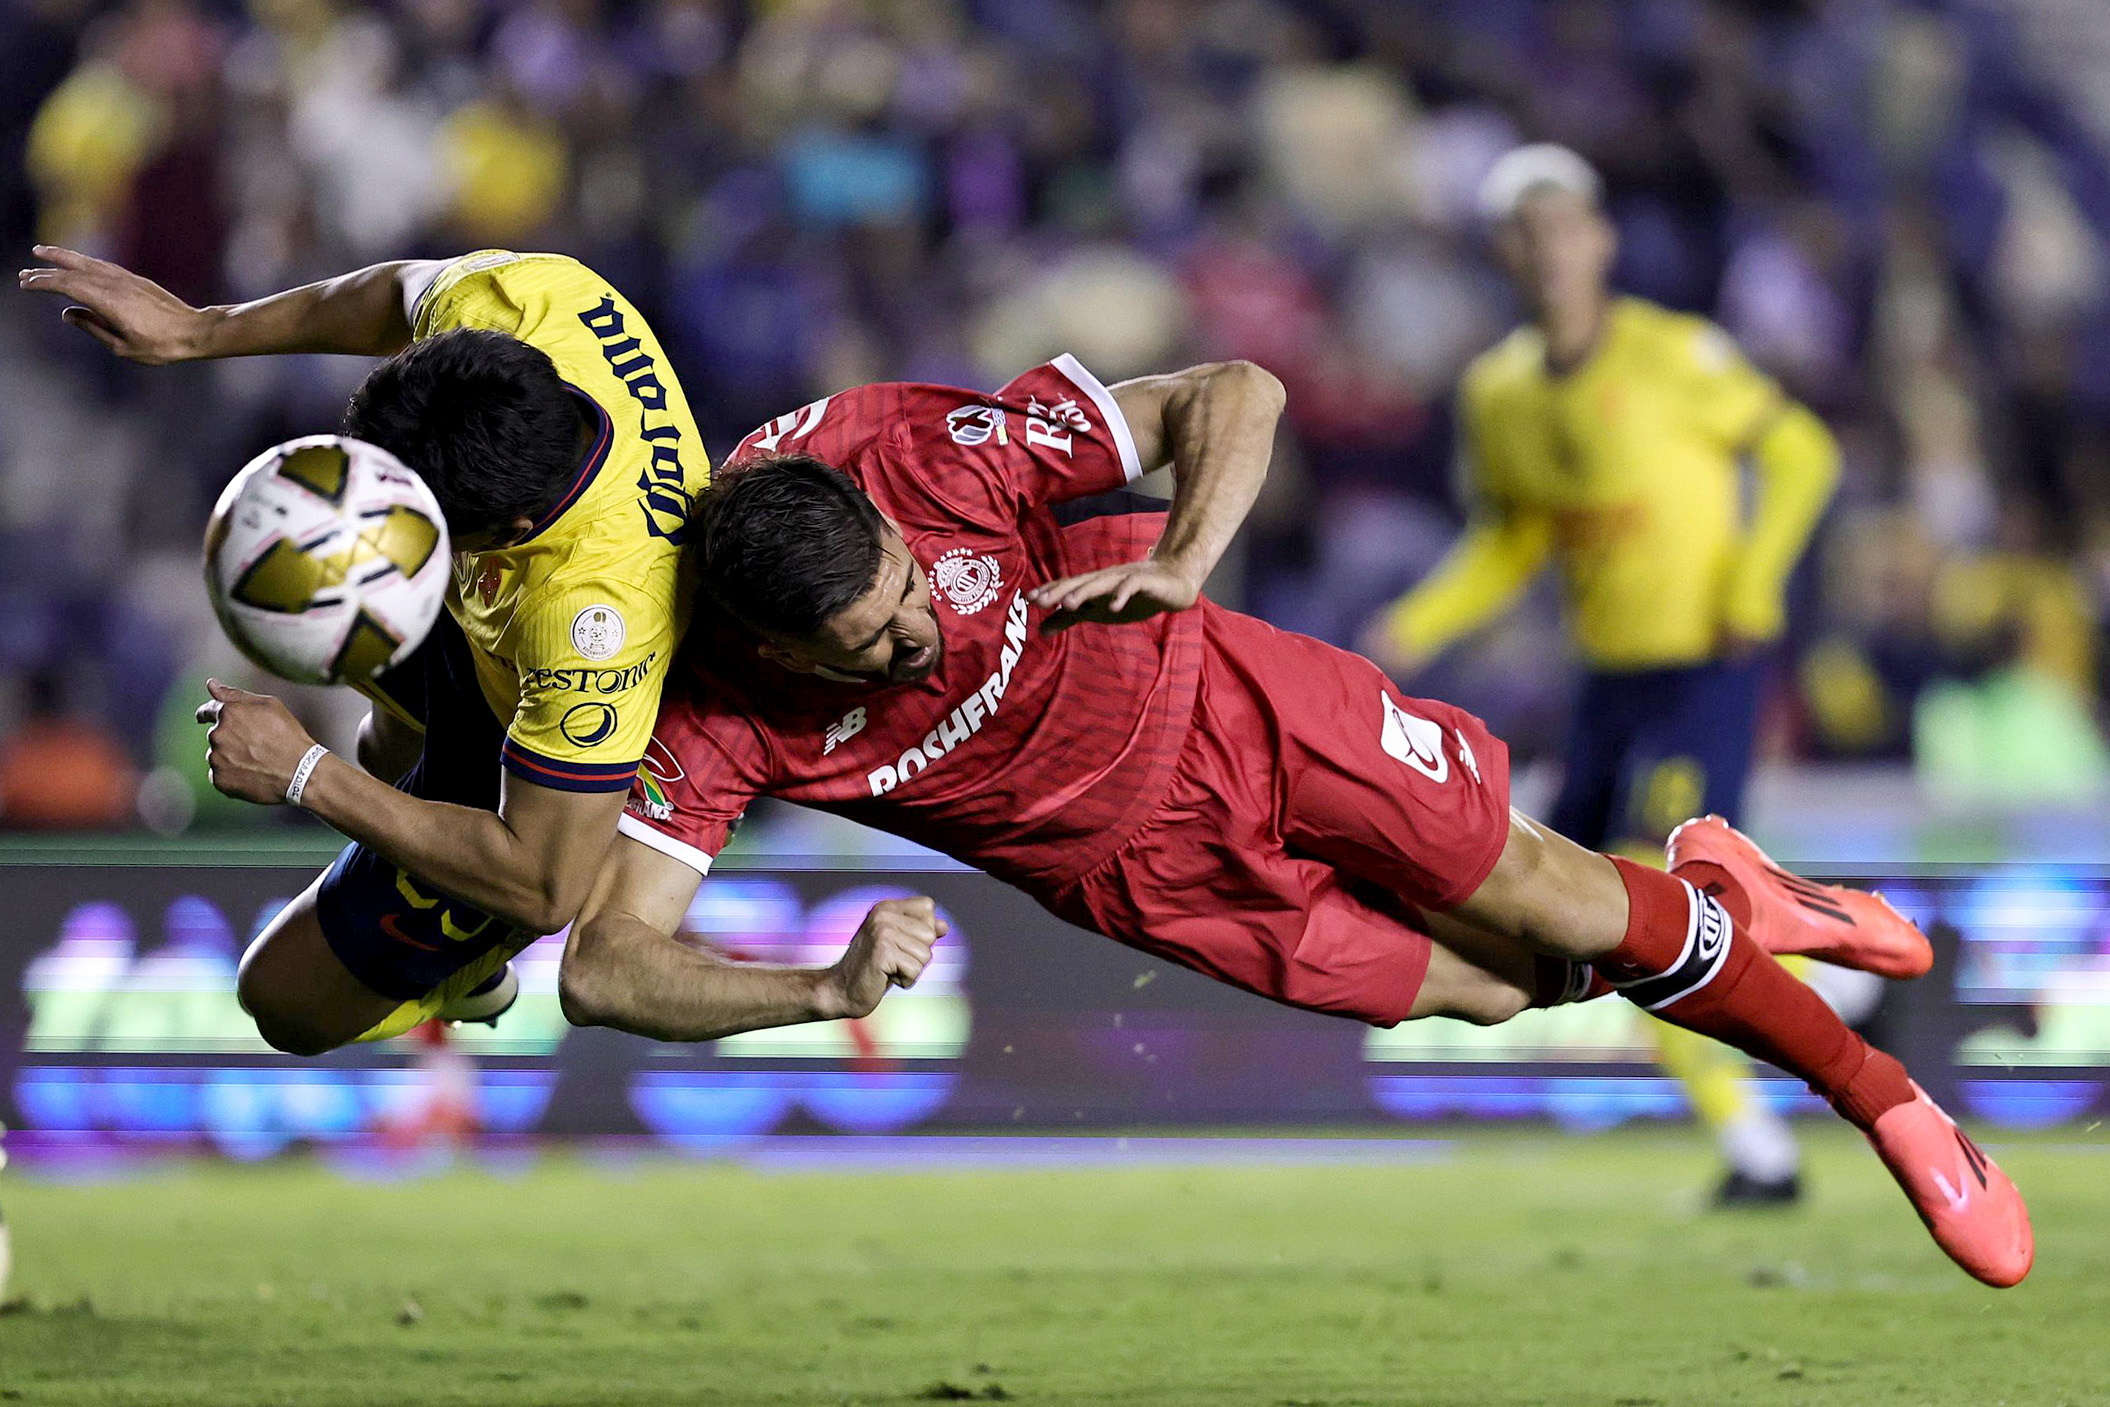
point(598, 632)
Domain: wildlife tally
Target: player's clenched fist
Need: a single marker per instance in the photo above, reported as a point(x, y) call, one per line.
point(253, 744)
point(891, 948)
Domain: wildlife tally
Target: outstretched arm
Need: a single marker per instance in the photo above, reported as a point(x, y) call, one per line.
point(362, 313)
point(625, 968)
point(530, 863)
point(1216, 424)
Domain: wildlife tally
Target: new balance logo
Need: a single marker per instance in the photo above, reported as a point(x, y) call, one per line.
point(851, 724)
point(1465, 755)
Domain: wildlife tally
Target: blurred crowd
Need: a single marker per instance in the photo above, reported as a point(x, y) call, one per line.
point(1899, 207)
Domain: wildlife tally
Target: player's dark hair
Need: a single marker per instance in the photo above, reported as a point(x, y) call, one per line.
point(786, 543)
point(483, 417)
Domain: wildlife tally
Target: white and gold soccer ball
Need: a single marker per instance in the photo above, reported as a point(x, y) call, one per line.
point(326, 559)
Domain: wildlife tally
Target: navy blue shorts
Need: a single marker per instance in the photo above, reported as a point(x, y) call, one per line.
point(394, 933)
point(1655, 747)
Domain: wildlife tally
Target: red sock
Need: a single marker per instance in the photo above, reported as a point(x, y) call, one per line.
point(1717, 883)
point(1683, 959)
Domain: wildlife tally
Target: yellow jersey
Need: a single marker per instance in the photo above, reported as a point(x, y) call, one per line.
point(1627, 472)
point(573, 628)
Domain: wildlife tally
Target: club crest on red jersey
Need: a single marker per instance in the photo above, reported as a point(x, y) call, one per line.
point(967, 580)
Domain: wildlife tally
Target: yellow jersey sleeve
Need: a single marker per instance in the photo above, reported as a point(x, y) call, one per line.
point(498, 290)
point(1796, 465)
point(1477, 580)
point(1504, 546)
point(592, 658)
point(1731, 400)
point(468, 292)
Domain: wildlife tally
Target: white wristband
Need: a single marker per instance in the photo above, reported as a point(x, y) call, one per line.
point(305, 770)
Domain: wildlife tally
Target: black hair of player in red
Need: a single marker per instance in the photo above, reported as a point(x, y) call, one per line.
point(787, 542)
point(483, 418)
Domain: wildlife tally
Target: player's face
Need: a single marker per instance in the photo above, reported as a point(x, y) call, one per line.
point(1558, 247)
point(890, 634)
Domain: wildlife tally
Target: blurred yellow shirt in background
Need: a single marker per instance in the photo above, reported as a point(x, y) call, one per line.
point(508, 169)
point(87, 142)
point(1627, 472)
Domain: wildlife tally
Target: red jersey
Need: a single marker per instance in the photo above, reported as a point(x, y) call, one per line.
point(1030, 756)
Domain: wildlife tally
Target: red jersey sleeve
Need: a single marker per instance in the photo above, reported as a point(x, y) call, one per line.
point(697, 778)
point(967, 460)
point(941, 455)
point(1070, 439)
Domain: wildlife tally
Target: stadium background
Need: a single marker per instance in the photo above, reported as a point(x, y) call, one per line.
point(1899, 209)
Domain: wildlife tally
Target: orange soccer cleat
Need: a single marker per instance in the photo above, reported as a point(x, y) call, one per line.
point(1790, 914)
point(1973, 1210)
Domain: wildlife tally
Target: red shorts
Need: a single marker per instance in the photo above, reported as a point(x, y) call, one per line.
point(1313, 811)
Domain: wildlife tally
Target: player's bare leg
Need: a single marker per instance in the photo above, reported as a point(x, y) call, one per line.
point(305, 1001)
point(1679, 954)
point(302, 997)
point(388, 747)
point(1473, 975)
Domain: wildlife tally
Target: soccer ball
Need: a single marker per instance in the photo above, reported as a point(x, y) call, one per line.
point(326, 559)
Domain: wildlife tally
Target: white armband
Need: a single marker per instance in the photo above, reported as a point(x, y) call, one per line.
point(305, 770)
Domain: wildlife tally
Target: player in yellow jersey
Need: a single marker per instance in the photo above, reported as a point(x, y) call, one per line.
point(538, 405)
point(1610, 438)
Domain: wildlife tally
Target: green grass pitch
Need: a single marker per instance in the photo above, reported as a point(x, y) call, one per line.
point(1522, 1269)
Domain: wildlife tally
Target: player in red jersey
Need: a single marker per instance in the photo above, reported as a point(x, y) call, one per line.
point(921, 626)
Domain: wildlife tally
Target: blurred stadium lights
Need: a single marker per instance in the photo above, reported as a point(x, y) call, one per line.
point(134, 1039)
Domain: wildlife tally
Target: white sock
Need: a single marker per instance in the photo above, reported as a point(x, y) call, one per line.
point(1759, 1144)
point(1853, 994)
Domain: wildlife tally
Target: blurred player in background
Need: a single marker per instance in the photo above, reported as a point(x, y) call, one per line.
point(538, 406)
point(1608, 436)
